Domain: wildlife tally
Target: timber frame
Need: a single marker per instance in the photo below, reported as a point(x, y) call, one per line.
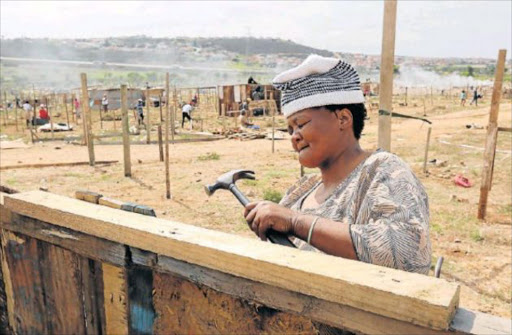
point(70, 266)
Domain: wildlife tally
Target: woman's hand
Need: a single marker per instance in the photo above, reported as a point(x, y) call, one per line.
point(264, 215)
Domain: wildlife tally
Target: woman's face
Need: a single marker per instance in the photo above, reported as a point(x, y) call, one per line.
point(316, 136)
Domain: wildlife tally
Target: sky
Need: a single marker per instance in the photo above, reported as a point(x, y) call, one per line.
point(423, 28)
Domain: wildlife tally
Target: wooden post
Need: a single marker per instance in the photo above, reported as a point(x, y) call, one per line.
point(49, 114)
point(406, 96)
point(66, 108)
point(301, 171)
point(160, 105)
point(167, 116)
point(126, 132)
point(492, 134)
point(173, 114)
point(386, 74)
point(87, 116)
point(16, 111)
point(73, 109)
point(223, 111)
point(5, 108)
point(426, 150)
point(160, 144)
point(273, 121)
point(100, 107)
point(148, 122)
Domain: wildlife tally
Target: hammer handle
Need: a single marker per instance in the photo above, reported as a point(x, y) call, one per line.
point(274, 236)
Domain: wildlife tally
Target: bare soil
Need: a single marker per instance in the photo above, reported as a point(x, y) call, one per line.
point(477, 254)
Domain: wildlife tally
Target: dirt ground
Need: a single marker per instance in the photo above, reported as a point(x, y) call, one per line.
point(477, 254)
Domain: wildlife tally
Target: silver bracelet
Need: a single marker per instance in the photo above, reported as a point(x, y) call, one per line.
point(310, 233)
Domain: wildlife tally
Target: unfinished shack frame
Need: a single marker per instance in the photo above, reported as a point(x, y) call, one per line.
point(69, 266)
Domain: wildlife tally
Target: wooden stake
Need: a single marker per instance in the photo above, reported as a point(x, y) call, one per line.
point(100, 107)
point(386, 74)
point(87, 116)
point(126, 132)
point(167, 116)
point(49, 114)
point(160, 105)
point(5, 108)
point(492, 134)
point(16, 112)
point(223, 111)
point(406, 96)
point(426, 150)
point(273, 122)
point(160, 144)
point(66, 107)
point(148, 122)
point(173, 114)
point(301, 171)
point(73, 109)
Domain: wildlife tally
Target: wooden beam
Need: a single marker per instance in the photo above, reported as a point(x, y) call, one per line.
point(115, 295)
point(38, 166)
point(414, 298)
point(492, 136)
point(386, 74)
point(148, 122)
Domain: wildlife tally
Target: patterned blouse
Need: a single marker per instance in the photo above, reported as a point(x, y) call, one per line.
point(385, 206)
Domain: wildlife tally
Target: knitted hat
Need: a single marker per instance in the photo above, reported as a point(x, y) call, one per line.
point(318, 81)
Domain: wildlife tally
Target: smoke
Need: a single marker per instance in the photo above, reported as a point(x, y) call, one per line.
point(412, 76)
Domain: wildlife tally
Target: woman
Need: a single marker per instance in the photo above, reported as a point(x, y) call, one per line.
point(363, 206)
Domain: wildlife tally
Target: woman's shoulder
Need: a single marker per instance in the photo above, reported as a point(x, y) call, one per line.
point(385, 159)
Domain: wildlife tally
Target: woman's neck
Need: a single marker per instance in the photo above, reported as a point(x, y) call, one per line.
point(338, 168)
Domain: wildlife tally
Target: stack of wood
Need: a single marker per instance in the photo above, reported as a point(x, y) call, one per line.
point(246, 136)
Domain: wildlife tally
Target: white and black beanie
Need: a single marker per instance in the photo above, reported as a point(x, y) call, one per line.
point(318, 81)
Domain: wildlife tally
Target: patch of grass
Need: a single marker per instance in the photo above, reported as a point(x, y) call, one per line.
point(272, 195)
point(74, 175)
point(476, 236)
point(506, 209)
point(210, 156)
point(436, 228)
point(248, 182)
point(11, 181)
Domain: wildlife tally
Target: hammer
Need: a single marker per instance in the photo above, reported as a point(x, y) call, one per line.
point(227, 182)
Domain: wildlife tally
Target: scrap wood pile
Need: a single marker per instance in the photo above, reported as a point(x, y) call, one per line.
point(240, 134)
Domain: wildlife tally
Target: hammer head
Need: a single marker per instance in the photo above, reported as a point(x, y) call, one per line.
point(227, 179)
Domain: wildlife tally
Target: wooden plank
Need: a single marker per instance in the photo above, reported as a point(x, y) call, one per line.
point(88, 196)
point(386, 73)
point(469, 322)
point(6, 294)
point(336, 315)
point(28, 301)
point(92, 292)
point(110, 202)
point(42, 165)
point(140, 294)
point(409, 297)
point(82, 244)
point(186, 308)
point(115, 299)
point(60, 275)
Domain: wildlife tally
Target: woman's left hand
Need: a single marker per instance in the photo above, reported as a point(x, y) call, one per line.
point(264, 215)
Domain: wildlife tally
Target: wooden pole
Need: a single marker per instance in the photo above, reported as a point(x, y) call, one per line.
point(5, 108)
point(100, 107)
point(49, 114)
point(73, 109)
point(386, 74)
point(167, 116)
point(66, 108)
point(426, 150)
point(273, 121)
point(406, 96)
point(301, 171)
point(160, 143)
point(126, 132)
point(148, 122)
point(87, 116)
point(160, 105)
point(16, 112)
point(173, 114)
point(492, 134)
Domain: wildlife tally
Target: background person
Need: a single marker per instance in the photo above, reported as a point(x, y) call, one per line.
point(366, 206)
